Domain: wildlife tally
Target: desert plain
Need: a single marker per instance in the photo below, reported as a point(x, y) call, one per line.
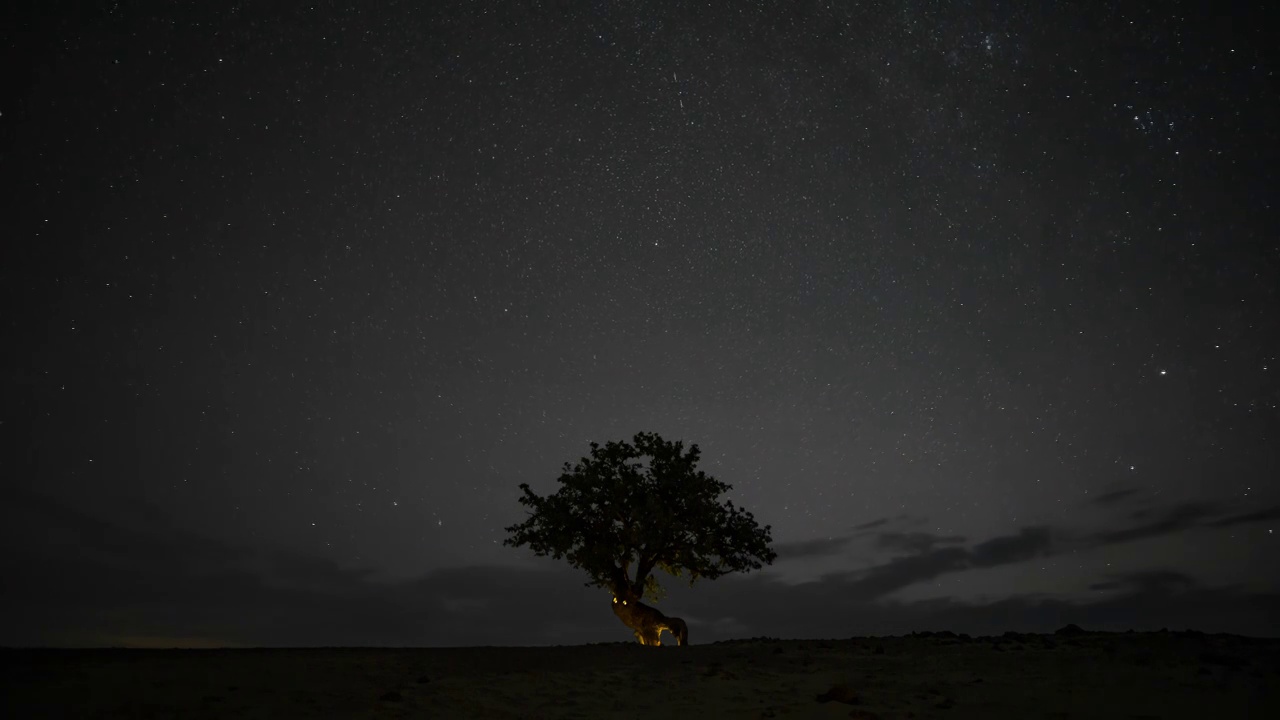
point(1070, 674)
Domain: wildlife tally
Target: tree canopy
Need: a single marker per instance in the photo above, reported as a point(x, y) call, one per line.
point(618, 519)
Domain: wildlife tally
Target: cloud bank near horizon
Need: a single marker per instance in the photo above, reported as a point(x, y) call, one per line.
point(104, 584)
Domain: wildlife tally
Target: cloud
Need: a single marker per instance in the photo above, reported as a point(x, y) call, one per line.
point(913, 542)
point(872, 524)
point(929, 561)
point(100, 583)
point(826, 608)
point(1271, 513)
point(104, 583)
point(1028, 544)
point(916, 542)
point(881, 580)
point(1159, 521)
point(1174, 519)
point(1113, 497)
point(820, 547)
point(1150, 582)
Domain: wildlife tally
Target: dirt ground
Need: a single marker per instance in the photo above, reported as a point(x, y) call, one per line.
point(927, 675)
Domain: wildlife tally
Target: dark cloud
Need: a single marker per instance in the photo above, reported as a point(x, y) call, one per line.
point(163, 585)
point(881, 580)
point(1271, 513)
point(1152, 582)
point(1113, 497)
point(168, 583)
point(820, 547)
point(929, 561)
point(1143, 601)
point(1178, 518)
point(914, 542)
point(1029, 543)
point(872, 524)
point(111, 541)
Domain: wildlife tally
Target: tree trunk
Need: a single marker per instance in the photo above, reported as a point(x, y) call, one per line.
point(648, 622)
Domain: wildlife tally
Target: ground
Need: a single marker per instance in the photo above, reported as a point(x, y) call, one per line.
point(1091, 675)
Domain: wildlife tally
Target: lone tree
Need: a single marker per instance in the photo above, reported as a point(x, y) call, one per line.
point(618, 520)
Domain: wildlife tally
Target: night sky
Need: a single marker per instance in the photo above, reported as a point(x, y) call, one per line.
point(975, 303)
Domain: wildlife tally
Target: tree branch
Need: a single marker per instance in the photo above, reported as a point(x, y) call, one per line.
point(647, 561)
point(619, 579)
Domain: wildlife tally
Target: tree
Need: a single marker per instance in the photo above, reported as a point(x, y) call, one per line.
point(618, 520)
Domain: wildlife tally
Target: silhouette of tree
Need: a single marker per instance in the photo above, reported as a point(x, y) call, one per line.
point(618, 520)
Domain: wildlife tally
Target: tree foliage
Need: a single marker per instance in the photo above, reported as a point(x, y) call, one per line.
point(618, 519)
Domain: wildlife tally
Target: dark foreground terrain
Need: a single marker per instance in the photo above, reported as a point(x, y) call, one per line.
point(926, 675)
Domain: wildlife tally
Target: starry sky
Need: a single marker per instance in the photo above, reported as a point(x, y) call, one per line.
point(975, 303)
